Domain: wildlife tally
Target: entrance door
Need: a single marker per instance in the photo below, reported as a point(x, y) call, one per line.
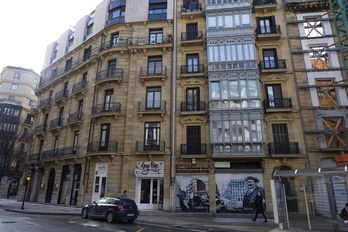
point(281, 139)
point(193, 140)
point(76, 184)
point(151, 193)
point(50, 186)
point(101, 173)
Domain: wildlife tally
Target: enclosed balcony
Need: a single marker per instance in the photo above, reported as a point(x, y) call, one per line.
point(79, 89)
point(288, 149)
point(45, 105)
point(188, 71)
point(193, 149)
point(151, 73)
point(277, 105)
point(191, 9)
point(152, 108)
point(188, 108)
point(106, 146)
point(60, 97)
point(156, 147)
point(55, 124)
point(272, 66)
point(268, 33)
point(111, 109)
point(261, 6)
point(192, 38)
point(74, 119)
point(110, 75)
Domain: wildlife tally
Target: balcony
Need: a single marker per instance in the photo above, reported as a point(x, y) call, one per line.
point(34, 110)
point(40, 130)
point(45, 105)
point(151, 73)
point(273, 66)
point(120, 45)
point(152, 108)
point(188, 108)
point(196, 149)
point(261, 6)
point(29, 122)
point(55, 124)
point(107, 146)
point(108, 76)
point(268, 33)
point(112, 109)
point(237, 149)
point(277, 105)
point(192, 38)
point(27, 135)
point(33, 157)
point(147, 42)
point(188, 71)
point(59, 153)
point(60, 97)
point(74, 119)
point(114, 21)
point(150, 148)
point(284, 149)
point(79, 89)
point(191, 10)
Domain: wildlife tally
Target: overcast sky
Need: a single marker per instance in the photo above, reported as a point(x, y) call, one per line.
point(27, 27)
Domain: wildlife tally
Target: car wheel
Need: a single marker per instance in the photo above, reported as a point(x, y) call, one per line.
point(110, 217)
point(84, 213)
point(130, 220)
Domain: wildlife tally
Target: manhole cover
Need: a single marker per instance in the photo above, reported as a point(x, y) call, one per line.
point(8, 222)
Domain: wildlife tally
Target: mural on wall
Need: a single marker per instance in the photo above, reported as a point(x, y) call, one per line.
point(235, 192)
point(193, 193)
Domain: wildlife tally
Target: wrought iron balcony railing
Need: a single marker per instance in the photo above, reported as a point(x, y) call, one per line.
point(152, 106)
point(192, 6)
point(277, 103)
point(61, 94)
point(153, 71)
point(283, 148)
point(189, 149)
point(56, 122)
point(155, 145)
point(44, 103)
point(106, 107)
point(78, 86)
point(188, 69)
point(268, 30)
point(106, 146)
point(191, 35)
point(273, 64)
point(74, 116)
point(111, 73)
point(200, 106)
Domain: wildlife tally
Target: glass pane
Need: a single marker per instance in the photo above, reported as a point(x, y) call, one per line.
point(145, 191)
point(215, 89)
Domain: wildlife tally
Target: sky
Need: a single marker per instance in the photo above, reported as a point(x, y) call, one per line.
point(27, 27)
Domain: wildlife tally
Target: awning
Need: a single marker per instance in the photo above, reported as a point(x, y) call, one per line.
point(312, 172)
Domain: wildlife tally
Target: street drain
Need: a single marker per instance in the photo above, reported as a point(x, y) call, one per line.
point(8, 222)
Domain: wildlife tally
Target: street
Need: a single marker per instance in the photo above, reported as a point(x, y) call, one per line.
point(19, 222)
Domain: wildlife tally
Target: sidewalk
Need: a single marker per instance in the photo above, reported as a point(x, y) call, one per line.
point(211, 222)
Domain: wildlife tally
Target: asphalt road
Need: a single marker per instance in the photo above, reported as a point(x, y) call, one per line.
point(19, 222)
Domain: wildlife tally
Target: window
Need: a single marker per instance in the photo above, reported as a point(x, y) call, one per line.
point(117, 13)
point(156, 36)
point(36, 81)
point(233, 53)
point(56, 143)
point(157, 11)
point(229, 21)
point(68, 64)
point(192, 63)
point(87, 53)
point(192, 31)
point(104, 137)
point(14, 87)
point(266, 25)
point(281, 139)
point(335, 136)
point(153, 98)
point(192, 99)
point(111, 68)
point(270, 58)
point(108, 100)
point(89, 30)
point(71, 41)
point(313, 28)
point(32, 92)
point(16, 77)
point(76, 140)
point(11, 98)
point(274, 96)
point(152, 136)
point(193, 140)
point(154, 65)
point(327, 96)
point(319, 57)
point(114, 40)
point(79, 110)
point(60, 119)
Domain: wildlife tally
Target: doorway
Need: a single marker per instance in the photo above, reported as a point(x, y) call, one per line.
point(151, 193)
point(50, 186)
point(100, 179)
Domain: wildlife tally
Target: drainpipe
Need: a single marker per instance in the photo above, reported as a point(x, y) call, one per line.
point(173, 109)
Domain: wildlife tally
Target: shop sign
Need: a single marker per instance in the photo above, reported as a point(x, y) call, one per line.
point(150, 169)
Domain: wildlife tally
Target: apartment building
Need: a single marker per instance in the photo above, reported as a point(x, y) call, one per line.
point(17, 97)
point(104, 111)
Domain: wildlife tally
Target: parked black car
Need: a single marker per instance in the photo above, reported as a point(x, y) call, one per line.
point(111, 209)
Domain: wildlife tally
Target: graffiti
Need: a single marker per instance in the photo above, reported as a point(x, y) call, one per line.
point(193, 193)
point(237, 191)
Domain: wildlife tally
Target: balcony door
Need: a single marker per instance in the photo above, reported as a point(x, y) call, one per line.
point(270, 58)
point(192, 63)
point(109, 97)
point(193, 140)
point(192, 99)
point(152, 136)
point(266, 25)
point(154, 66)
point(153, 98)
point(104, 137)
point(191, 31)
point(281, 139)
point(274, 96)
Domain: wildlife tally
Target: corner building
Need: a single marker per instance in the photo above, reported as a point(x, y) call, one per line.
point(104, 108)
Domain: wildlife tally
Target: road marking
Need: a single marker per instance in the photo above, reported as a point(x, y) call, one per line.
point(140, 230)
point(112, 229)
